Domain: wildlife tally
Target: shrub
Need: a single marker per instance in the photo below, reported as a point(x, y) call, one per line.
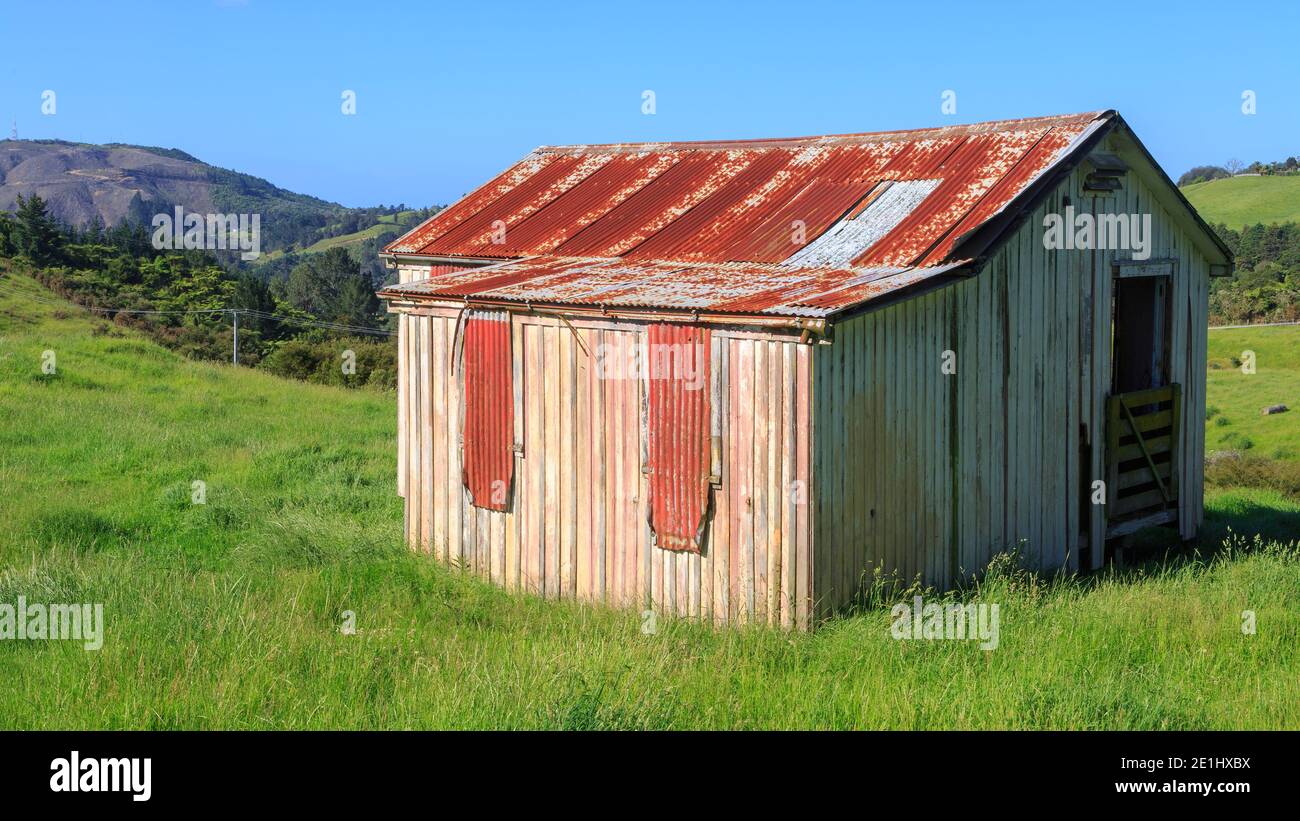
point(321, 361)
point(1233, 468)
point(1238, 441)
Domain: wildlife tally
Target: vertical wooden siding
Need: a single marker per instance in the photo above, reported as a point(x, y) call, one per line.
point(578, 527)
point(928, 475)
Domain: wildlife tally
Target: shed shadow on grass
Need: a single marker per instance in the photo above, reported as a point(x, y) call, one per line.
point(1243, 518)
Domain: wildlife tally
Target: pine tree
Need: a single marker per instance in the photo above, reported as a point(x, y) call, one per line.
point(7, 247)
point(37, 236)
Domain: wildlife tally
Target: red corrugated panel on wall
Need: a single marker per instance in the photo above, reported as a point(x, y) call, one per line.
point(489, 409)
point(678, 414)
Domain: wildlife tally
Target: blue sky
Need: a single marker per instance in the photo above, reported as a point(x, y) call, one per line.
point(449, 94)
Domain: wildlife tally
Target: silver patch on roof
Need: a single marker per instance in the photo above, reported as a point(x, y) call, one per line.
point(849, 238)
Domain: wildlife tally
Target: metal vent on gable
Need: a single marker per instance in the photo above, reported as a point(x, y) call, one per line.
point(1106, 175)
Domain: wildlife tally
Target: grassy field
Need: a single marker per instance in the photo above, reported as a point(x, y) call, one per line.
point(227, 614)
point(1236, 398)
point(386, 223)
point(1238, 201)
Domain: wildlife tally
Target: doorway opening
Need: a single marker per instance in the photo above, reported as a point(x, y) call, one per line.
point(1140, 341)
point(1144, 409)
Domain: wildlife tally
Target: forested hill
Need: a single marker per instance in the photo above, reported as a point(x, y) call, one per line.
point(114, 183)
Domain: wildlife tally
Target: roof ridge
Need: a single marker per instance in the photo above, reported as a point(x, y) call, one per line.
point(966, 129)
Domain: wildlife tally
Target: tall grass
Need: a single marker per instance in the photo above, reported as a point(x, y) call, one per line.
point(228, 614)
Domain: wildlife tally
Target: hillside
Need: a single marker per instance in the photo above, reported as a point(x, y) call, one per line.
point(1235, 421)
point(228, 613)
point(1242, 201)
point(84, 182)
point(384, 230)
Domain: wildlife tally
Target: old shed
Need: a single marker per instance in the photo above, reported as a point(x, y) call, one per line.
point(729, 380)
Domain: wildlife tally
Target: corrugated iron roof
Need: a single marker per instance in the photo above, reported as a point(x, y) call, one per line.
point(706, 224)
point(698, 287)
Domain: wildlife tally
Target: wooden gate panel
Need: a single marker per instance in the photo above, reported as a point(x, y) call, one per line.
point(1142, 437)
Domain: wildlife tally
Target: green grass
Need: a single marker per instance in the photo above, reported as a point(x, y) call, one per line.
point(334, 242)
point(400, 218)
point(386, 223)
point(1236, 399)
point(226, 615)
point(1240, 201)
point(348, 239)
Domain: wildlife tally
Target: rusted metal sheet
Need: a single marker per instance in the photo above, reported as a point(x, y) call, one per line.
point(728, 288)
point(1032, 163)
point(444, 268)
point(853, 235)
point(489, 409)
point(678, 411)
point(791, 228)
point(759, 201)
point(440, 223)
point(656, 206)
point(692, 229)
point(548, 183)
point(965, 176)
point(581, 205)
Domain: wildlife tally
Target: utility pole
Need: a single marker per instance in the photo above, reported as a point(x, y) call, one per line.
point(234, 358)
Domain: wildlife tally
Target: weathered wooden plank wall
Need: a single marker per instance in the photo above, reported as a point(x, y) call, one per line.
point(577, 524)
point(927, 475)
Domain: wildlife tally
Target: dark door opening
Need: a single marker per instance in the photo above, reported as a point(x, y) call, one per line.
point(1140, 344)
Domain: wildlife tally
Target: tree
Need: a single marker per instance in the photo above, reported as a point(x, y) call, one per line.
point(252, 294)
point(1202, 173)
point(37, 236)
point(1234, 166)
point(94, 233)
point(332, 286)
point(357, 304)
point(6, 234)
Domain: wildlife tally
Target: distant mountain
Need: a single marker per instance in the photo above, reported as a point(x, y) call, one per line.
point(116, 182)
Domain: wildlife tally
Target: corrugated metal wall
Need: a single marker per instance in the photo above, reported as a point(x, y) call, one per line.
point(578, 524)
point(928, 474)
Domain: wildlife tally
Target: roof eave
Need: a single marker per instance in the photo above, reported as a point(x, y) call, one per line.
point(399, 257)
point(399, 300)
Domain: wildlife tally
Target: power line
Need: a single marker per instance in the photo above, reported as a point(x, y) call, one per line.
point(316, 323)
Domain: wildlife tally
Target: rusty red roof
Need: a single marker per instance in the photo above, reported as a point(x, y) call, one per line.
point(695, 287)
point(760, 226)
